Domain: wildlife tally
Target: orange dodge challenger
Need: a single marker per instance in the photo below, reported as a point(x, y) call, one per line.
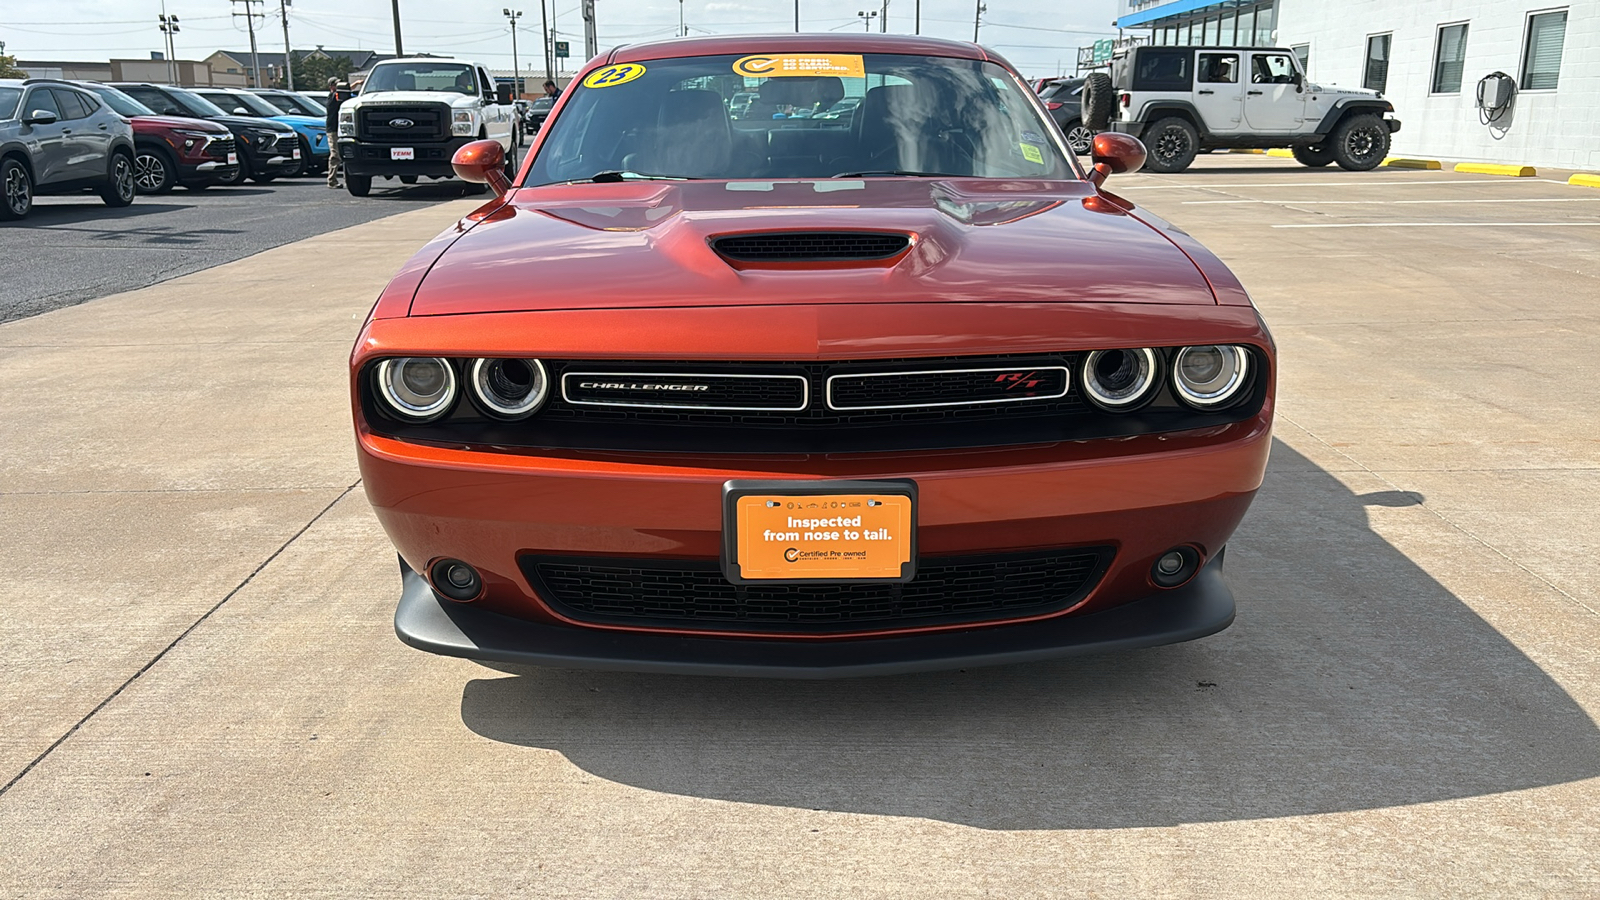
point(869, 375)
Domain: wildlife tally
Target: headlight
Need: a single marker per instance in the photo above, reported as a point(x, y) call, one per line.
point(1120, 379)
point(461, 123)
point(196, 134)
point(419, 389)
point(1209, 376)
point(347, 122)
point(509, 388)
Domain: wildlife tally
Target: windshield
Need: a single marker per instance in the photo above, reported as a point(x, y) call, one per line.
point(118, 101)
point(916, 115)
point(294, 103)
point(9, 98)
point(421, 76)
point(1061, 90)
point(196, 103)
point(252, 105)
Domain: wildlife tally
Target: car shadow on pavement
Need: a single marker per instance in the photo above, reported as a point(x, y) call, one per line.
point(95, 211)
point(1351, 680)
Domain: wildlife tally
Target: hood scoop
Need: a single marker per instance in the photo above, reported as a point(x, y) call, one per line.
point(808, 248)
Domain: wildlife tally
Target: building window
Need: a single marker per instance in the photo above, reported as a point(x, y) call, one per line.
point(1229, 22)
point(1247, 28)
point(1302, 52)
point(1449, 59)
point(1541, 56)
point(1211, 32)
point(1377, 75)
point(1266, 25)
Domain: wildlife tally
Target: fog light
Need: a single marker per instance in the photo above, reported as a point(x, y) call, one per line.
point(456, 580)
point(1175, 567)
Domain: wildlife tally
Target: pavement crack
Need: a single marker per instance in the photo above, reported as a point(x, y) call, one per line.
point(175, 641)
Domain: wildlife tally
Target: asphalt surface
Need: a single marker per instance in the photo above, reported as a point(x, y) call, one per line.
point(75, 248)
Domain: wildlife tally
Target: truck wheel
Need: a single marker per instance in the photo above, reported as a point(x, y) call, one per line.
point(1173, 143)
point(1099, 97)
point(408, 179)
point(16, 190)
point(119, 188)
point(358, 185)
point(1360, 143)
point(1314, 155)
point(153, 171)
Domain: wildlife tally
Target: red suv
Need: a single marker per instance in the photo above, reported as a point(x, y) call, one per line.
point(171, 150)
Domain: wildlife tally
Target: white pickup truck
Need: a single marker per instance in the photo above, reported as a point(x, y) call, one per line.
point(412, 115)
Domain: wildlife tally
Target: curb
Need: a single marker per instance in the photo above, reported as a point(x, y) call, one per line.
point(1288, 153)
point(1400, 162)
point(1585, 180)
point(1497, 169)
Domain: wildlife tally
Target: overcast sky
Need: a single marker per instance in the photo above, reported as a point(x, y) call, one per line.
point(1036, 35)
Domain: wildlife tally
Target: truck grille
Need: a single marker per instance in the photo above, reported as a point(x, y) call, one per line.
point(694, 594)
point(387, 123)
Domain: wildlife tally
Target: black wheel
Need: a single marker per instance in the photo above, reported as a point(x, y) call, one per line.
point(1099, 98)
point(1314, 155)
point(198, 185)
point(261, 178)
point(1360, 143)
point(303, 167)
point(119, 189)
point(1172, 143)
point(408, 179)
point(468, 188)
point(358, 185)
point(16, 190)
point(240, 173)
point(1080, 137)
point(153, 171)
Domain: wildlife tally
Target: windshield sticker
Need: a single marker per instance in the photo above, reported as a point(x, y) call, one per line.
point(1032, 154)
point(611, 76)
point(1033, 137)
point(791, 65)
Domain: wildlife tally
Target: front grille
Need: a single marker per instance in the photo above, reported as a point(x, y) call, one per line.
point(810, 246)
point(219, 148)
point(694, 594)
point(948, 387)
point(724, 391)
point(383, 123)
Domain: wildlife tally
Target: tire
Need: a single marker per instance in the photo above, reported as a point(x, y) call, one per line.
point(198, 185)
point(408, 179)
point(1172, 143)
point(1080, 137)
point(469, 188)
point(305, 158)
point(153, 171)
point(263, 179)
point(1360, 143)
point(239, 174)
point(358, 185)
point(1099, 98)
point(1314, 155)
point(16, 190)
point(119, 189)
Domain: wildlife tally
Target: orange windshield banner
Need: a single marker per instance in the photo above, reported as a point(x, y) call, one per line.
point(791, 65)
point(784, 535)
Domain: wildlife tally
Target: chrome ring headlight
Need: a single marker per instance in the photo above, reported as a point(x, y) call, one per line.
point(1120, 379)
point(509, 388)
point(1209, 376)
point(417, 388)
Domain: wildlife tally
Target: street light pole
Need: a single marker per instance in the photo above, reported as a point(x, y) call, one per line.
point(796, 16)
point(288, 60)
point(549, 67)
point(169, 27)
point(977, 16)
point(866, 19)
point(398, 49)
point(918, 27)
point(682, 31)
point(516, 69)
point(883, 20)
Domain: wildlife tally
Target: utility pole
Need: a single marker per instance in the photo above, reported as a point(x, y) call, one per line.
point(682, 30)
point(797, 16)
point(918, 28)
point(591, 40)
point(516, 70)
point(250, 24)
point(288, 60)
point(977, 17)
point(883, 20)
point(866, 19)
point(169, 27)
point(398, 49)
point(549, 48)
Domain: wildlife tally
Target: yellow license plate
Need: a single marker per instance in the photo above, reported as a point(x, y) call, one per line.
point(819, 531)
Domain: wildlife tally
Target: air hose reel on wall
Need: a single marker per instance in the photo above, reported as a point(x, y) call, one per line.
point(1497, 92)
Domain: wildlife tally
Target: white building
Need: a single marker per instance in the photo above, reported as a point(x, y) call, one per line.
point(1432, 59)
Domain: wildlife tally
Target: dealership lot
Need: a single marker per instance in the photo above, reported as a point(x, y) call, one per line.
point(202, 695)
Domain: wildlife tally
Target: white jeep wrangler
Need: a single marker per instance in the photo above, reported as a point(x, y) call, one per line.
point(1184, 100)
point(412, 115)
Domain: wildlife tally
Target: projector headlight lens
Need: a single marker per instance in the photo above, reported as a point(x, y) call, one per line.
point(509, 388)
point(1120, 379)
point(418, 389)
point(1207, 377)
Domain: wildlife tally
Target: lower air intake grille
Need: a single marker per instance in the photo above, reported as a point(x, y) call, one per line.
point(810, 246)
point(694, 594)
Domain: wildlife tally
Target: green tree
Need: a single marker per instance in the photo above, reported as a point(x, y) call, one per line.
point(8, 68)
point(311, 73)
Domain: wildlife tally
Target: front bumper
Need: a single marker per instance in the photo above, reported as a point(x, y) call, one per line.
point(373, 158)
point(1203, 606)
point(210, 171)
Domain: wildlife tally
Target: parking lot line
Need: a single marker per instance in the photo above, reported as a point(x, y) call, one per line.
point(1446, 225)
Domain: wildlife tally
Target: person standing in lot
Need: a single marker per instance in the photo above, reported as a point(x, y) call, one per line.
point(334, 163)
point(551, 91)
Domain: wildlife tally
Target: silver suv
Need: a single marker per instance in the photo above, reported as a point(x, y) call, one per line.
point(1184, 100)
point(56, 138)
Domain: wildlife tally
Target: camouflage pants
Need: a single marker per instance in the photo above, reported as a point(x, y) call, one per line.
point(334, 164)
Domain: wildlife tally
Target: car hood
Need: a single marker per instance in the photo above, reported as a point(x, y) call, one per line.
point(648, 244)
point(181, 122)
point(236, 122)
point(301, 121)
point(449, 98)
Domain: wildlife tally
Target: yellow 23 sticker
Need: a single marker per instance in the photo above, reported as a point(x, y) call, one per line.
point(611, 76)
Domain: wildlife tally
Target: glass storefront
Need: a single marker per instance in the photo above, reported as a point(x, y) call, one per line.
point(1233, 23)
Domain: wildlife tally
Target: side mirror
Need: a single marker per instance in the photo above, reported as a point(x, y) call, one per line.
point(1114, 154)
point(40, 117)
point(484, 162)
point(240, 111)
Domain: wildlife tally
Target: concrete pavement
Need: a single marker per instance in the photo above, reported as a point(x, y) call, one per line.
point(201, 694)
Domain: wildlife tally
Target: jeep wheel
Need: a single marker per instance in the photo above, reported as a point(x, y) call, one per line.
point(1314, 155)
point(17, 189)
point(1098, 99)
point(1080, 138)
point(153, 171)
point(119, 188)
point(1173, 143)
point(358, 185)
point(1360, 143)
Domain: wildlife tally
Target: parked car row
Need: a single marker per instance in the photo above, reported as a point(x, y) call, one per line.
point(123, 139)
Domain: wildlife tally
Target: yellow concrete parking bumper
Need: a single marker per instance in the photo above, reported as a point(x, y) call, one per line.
point(1497, 169)
point(1398, 162)
point(1289, 153)
point(1585, 180)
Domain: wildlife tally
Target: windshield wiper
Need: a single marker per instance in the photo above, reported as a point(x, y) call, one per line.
point(613, 177)
point(900, 172)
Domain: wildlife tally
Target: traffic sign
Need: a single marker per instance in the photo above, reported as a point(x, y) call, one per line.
point(1102, 51)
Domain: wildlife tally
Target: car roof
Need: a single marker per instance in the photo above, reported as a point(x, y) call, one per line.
point(731, 44)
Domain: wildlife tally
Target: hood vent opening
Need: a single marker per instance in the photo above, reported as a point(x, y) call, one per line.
point(811, 246)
